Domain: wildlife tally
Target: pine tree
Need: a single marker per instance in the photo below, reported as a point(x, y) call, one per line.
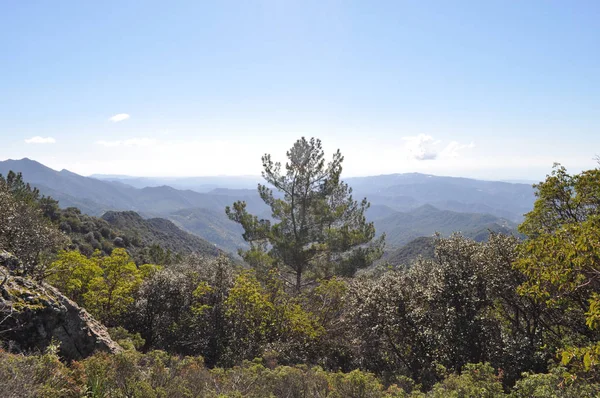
point(317, 228)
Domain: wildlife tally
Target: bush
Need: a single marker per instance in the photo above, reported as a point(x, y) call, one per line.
point(158, 374)
point(129, 341)
point(556, 384)
point(476, 380)
point(37, 376)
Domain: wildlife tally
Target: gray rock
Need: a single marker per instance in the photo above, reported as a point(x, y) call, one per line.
point(32, 315)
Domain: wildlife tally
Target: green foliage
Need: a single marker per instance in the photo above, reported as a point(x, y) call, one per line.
point(320, 228)
point(72, 273)
point(458, 308)
point(156, 240)
point(87, 233)
point(206, 307)
point(476, 319)
point(160, 375)
point(105, 285)
point(478, 380)
point(556, 384)
point(109, 294)
point(355, 384)
point(24, 230)
point(562, 265)
point(181, 308)
point(31, 232)
point(127, 340)
point(251, 315)
point(19, 189)
point(265, 316)
point(33, 226)
point(563, 199)
point(43, 376)
point(560, 260)
point(147, 241)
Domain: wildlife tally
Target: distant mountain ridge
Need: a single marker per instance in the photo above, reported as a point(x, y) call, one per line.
point(402, 227)
point(404, 206)
point(100, 196)
point(408, 190)
point(404, 192)
point(401, 192)
point(198, 184)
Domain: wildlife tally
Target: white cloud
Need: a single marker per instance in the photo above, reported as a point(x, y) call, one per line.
point(422, 147)
point(451, 150)
point(425, 147)
point(40, 140)
point(119, 117)
point(131, 142)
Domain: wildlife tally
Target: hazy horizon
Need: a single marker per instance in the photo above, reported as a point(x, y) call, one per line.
point(257, 176)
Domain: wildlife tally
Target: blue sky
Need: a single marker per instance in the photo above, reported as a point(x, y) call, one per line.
point(486, 89)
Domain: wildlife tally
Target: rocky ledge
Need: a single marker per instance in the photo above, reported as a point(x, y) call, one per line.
point(32, 315)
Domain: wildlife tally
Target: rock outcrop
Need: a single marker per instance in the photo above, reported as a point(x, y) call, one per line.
point(32, 315)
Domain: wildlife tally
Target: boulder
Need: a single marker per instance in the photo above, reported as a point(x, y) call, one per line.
point(32, 315)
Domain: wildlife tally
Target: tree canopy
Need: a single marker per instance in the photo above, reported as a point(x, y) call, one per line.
point(316, 226)
point(26, 228)
point(561, 260)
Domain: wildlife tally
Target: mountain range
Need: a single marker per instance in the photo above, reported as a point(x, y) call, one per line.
point(403, 206)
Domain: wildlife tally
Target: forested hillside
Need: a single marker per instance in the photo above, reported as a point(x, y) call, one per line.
point(406, 255)
point(158, 231)
point(400, 228)
point(213, 226)
point(154, 240)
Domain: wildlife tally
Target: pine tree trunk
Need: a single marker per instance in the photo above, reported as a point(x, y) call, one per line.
point(298, 279)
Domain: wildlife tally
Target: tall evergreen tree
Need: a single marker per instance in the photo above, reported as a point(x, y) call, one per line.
point(317, 228)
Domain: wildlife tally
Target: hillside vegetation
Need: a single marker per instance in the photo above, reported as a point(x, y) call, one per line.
point(400, 228)
point(146, 240)
point(503, 317)
point(158, 231)
point(213, 226)
point(406, 255)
